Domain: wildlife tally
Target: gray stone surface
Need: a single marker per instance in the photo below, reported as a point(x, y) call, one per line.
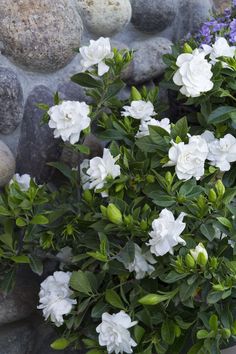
point(11, 101)
point(153, 15)
point(72, 92)
point(22, 301)
point(229, 350)
point(16, 338)
point(148, 63)
point(37, 145)
point(7, 164)
point(40, 35)
point(105, 17)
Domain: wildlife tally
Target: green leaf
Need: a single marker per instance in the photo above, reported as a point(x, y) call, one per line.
point(82, 148)
point(208, 231)
point(114, 299)
point(138, 333)
point(180, 129)
point(168, 332)
point(221, 114)
point(225, 222)
point(114, 88)
point(39, 220)
point(20, 222)
point(126, 255)
point(63, 168)
point(20, 259)
point(86, 80)
point(146, 144)
point(79, 281)
point(60, 344)
point(36, 264)
point(202, 334)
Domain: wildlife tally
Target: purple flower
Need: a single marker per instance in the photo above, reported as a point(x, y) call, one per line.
point(232, 36)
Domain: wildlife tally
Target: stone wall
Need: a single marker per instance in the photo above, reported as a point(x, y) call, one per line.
point(38, 39)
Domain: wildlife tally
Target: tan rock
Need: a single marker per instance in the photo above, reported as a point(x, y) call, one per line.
point(7, 164)
point(40, 35)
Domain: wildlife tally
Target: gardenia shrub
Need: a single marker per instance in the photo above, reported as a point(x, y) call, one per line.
point(146, 232)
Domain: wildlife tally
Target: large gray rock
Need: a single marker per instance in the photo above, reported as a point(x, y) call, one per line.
point(16, 338)
point(153, 15)
point(11, 101)
point(22, 301)
point(37, 145)
point(192, 13)
point(105, 17)
point(72, 92)
point(147, 62)
point(41, 35)
point(7, 164)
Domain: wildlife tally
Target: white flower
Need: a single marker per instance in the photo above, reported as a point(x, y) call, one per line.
point(83, 175)
point(23, 181)
point(194, 74)
point(96, 53)
point(143, 128)
point(54, 297)
point(65, 255)
point(199, 249)
point(166, 233)
point(114, 334)
point(220, 48)
point(221, 151)
point(139, 110)
point(141, 263)
point(189, 159)
point(102, 167)
point(69, 119)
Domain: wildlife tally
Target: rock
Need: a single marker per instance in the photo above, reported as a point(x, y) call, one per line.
point(192, 13)
point(22, 301)
point(40, 35)
point(105, 17)
point(72, 92)
point(7, 164)
point(16, 338)
point(153, 15)
point(148, 63)
point(11, 101)
point(37, 145)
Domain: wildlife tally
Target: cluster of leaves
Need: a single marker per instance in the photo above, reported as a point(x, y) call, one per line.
point(183, 304)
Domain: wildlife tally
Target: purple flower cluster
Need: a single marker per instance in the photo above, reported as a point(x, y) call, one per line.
point(219, 26)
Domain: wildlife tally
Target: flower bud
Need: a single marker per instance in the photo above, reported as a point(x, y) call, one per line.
point(177, 331)
point(220, 188)
point(119, 58)
point(114, 214)
point(144, 225)
point(200, 255)
point(135, 94)
point(168, 177)
point(103, 211)
point(201, 202)
point(212, 195)
point(87, 196)
point(150, 179)
point(189, 260)
point(119, 187)
point(214, 262)
point(226, 333)
point(187, 48)
point(128, 219)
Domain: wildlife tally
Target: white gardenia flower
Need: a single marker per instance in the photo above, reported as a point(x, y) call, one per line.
point(69, 119)
point(114, 334)
point(199, 249)
point(54, 297)
point(166, 233)
point(221, 151)
point(23, 181)
point(102, 167)
point(141, 264)
point(139, 110)
point(189, 159)
point(143, 128)
point(194, 74)
point(220, 48)
point(96, 53)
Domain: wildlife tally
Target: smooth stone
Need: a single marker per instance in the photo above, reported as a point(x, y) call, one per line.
point(37, 145)
point(7, 164)
point(16, 338)
point(40, 35)
point(153, 15)
point(147, 62)
point(105, 17)
point(11, 101)
point(72, 92)
point(22, 301)
point(192, 14)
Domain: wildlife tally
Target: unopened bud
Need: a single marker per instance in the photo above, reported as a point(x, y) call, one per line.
point(187, 48)
point(114, 214)
point(119, 187)
point(189, 260)
point(201, 202)
point(143, 225)
point(128, 219)
point(220, 188)
point(177, 331)
point(200, 255)
point(150, 179)
point(226, 333)
point(135, 94)
point(87, 196)
point(103, 211)
point(119, 58)
point(168, 177)
point(212, 195)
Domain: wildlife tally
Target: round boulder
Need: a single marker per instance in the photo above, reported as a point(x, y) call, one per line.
point(40, 35)
point(11, 101)
point(105, 17)
point(153, 15)
point(7, 164)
